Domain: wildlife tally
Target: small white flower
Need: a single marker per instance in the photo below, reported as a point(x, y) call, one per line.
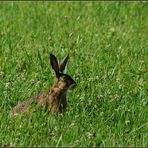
point(101, 113)
point(127, 122)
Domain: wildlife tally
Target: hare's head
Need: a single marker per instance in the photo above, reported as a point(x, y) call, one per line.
point(64, 81)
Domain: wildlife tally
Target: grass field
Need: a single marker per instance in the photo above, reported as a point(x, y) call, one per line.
point(108, 42)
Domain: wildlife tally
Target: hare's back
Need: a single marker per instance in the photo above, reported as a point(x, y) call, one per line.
point(22, 107)
point(41, 98)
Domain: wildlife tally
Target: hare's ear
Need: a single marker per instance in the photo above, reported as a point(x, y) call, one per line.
point(63, 63)
point(54, 64)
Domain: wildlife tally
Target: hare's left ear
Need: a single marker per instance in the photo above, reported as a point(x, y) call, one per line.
point(63, 64)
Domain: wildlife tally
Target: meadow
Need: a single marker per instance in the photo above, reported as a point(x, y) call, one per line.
point(108, 44)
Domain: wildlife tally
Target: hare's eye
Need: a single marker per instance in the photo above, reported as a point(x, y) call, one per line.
point(62, 79)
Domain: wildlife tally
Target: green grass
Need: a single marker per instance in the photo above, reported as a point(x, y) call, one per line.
point(108, 42)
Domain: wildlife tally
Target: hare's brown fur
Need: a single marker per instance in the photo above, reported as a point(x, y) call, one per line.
point(55, 99)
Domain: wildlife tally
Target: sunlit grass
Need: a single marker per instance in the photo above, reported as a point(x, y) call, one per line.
point(108, 46)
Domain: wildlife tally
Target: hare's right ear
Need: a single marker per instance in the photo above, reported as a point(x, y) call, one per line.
point(54, 64)
point(63, 63)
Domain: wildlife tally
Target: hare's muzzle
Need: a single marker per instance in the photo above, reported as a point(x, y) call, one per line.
point(72, 86)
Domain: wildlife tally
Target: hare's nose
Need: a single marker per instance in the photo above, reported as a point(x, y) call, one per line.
point(72, 86)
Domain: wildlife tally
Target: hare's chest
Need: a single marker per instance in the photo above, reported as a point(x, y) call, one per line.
point(57, 101)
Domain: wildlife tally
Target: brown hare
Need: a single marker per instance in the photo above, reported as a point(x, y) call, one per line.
point(55, 99)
